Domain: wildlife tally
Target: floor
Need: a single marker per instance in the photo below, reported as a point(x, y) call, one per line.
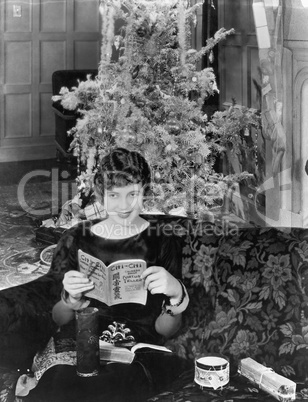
point(30, 193)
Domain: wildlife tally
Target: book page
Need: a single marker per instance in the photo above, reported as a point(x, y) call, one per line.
point(96, 271)
point(151, 346)
point(125, 283)
point(110, 352)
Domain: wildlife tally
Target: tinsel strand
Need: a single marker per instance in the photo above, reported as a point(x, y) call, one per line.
point(110, 32)
point(107, 12)
point(181, 32)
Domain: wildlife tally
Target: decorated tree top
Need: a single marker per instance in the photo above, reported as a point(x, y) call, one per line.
point(148, 96)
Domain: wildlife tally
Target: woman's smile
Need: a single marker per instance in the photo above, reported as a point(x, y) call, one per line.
point(124, 215)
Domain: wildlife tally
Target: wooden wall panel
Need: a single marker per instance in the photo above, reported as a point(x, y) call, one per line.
point(47, 119)
point(238, 54)
point(231, 75)
point(86, 54)
point(231, 19)
point(53, 16)
point(17, 24)
point(295, 21)
point(52, 58)
point(253, 77)
point(197, 30)
point(299, 125)
point(17, 115)
point(17, 55)
point(86, 16)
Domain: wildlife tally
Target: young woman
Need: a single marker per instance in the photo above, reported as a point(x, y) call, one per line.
point(121, 183)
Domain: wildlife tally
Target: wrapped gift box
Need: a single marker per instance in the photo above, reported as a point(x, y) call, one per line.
point(278, 386)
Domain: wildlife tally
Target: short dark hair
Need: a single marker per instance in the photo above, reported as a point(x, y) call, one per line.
point(120, 168)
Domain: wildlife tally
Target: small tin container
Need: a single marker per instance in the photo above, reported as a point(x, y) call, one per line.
point(212, 371)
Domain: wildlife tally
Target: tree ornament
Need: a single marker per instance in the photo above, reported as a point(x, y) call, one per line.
point(140, 103)
point(168, 148)
point(135, 72)
point(164, 96)
point(143, 30)
point(153, 17)
point(131, 135)
point(149, 89)
point(157, 175)
point(194, 20)
point(198, 159)
point(91, 142)
point(124, 134)
point(211, 57)
point(173, 125)
point(154, 105)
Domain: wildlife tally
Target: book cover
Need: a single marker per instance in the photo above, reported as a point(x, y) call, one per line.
point(110, 352)
point(119, 282)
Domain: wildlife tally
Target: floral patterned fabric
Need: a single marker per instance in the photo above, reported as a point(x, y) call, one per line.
point(249, 298)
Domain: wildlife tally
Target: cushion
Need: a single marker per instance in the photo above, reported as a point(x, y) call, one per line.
point(200, 247)
point(8, 380)
point(248, 297)
point(260, 282)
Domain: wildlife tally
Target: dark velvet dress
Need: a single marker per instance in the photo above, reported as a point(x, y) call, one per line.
point(151, 370)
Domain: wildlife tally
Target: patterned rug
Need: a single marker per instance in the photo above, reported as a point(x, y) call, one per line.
point(22, 212)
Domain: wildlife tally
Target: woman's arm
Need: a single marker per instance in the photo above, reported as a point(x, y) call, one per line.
point(74, 285)
point(64, 310)
point(170, 319)
point(157, 280)
point(167, 325)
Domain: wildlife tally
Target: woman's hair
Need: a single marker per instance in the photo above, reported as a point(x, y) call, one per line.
point(120, 168)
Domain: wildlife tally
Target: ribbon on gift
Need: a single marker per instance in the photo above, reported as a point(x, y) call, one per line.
point(266, 370)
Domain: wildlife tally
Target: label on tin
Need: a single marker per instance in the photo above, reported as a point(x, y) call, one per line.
point(215, 380)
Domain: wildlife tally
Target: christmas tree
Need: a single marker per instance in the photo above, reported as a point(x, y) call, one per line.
point(148, 96)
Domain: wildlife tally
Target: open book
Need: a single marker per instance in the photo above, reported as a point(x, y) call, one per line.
point(118, 283)
point(109, 352)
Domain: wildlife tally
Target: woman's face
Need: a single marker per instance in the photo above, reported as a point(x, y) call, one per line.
point(124, 204)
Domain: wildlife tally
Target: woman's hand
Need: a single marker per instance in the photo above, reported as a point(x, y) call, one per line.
point(76, 283)
point(159, 280)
